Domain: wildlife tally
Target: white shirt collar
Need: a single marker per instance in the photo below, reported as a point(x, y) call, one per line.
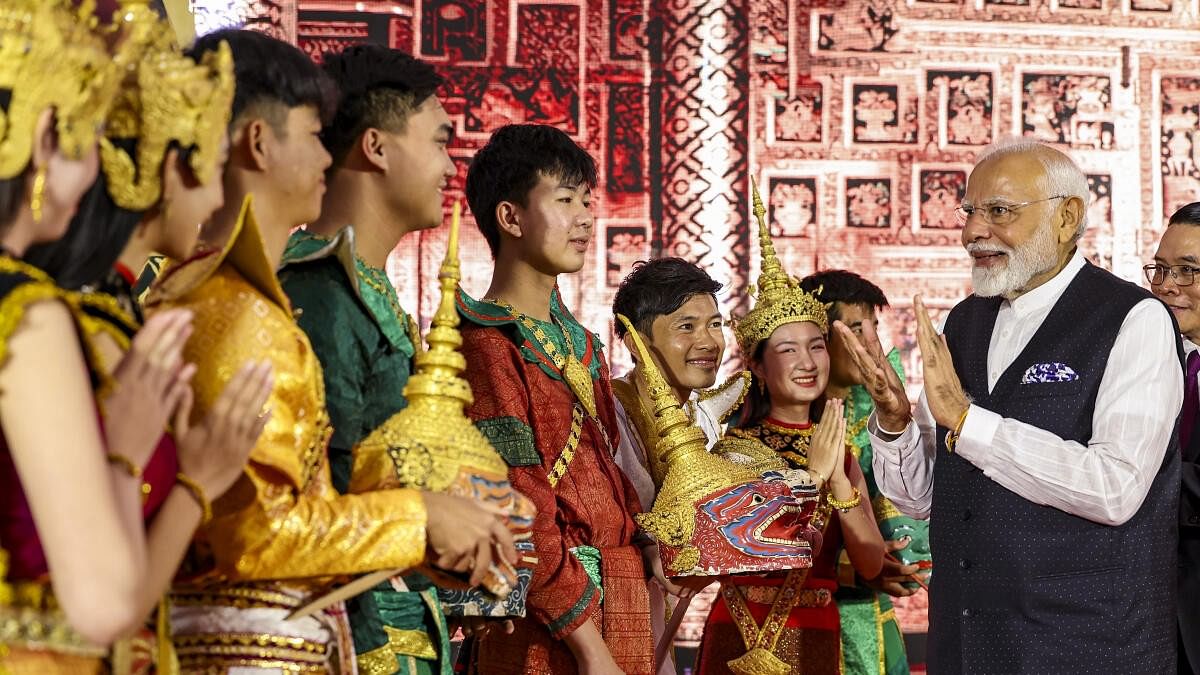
point(1048, 293)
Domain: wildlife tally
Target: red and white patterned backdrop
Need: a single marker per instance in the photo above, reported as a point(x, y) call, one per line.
point(859, 118)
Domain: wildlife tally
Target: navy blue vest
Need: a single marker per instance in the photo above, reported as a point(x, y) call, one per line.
point(1024, 588)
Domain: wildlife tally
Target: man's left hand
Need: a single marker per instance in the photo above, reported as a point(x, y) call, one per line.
point(947, 400)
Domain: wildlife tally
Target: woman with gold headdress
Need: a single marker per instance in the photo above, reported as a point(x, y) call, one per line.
point(787, 622)
point(78, 571)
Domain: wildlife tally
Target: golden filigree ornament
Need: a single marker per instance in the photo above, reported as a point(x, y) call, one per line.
point(779, 299)
point(171, 99)
point(432, 445)
point(52, 56)
point(713, 516)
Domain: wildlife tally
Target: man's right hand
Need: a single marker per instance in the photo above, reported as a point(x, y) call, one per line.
point(464, 536)
point(894, 574)
point(877, 376)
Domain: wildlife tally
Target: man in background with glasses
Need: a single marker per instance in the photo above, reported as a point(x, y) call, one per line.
point(1043, 447)
point(1172, 278)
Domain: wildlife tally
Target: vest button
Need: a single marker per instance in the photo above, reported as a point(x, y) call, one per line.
point(966, 514)
point(966, 612)
point(965, 564)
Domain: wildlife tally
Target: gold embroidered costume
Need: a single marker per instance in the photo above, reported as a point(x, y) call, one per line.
point(283, 530)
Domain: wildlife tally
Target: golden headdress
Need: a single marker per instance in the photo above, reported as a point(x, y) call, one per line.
point(51, 56)
point(172, 99)
point(779, 299)
point(692, 472)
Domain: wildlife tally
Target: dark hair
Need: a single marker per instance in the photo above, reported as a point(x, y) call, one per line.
point(845, 287)
point(757, 404)
point(510, 165)
point(380, 88)
point(271, 77)
point(656, 288)
point(1188, 214)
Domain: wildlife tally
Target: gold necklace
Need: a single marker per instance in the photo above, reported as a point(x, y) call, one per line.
point(574, 373)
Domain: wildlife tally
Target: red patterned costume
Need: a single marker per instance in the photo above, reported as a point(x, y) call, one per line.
point(525, 408)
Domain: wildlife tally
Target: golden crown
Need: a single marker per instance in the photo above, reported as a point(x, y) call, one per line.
point(52, 56)
point(779, 298)
point(173, 99)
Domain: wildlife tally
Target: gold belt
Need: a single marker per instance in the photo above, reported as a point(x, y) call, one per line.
point(224, 650)
point(765, 595)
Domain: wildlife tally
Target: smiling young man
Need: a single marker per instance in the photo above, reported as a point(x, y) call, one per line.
point(673, 304)
point(1172, 278)
point(388, 138)
point(542, 397)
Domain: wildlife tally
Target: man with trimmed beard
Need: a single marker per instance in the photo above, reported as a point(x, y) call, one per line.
point(1172, 278)
point(1043, 448)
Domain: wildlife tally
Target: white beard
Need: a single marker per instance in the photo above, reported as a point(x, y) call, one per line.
point(1038, 255)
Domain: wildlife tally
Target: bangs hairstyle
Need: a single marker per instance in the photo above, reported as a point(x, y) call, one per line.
point(1188, 214)
point(271, 76)
point(845, 287)
point(1063, 175)
point(380, 88)
point(657, 288)
point(510, 165)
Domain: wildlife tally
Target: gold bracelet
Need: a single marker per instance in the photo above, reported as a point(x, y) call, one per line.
point(198, 494)
point(124, 462)
point(845, 506)
point(952, 436)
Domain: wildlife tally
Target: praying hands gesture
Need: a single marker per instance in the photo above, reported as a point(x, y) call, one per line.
point(947, 400)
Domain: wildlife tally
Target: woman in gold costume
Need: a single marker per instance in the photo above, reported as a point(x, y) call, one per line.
point(787, 622)
point(80, 569)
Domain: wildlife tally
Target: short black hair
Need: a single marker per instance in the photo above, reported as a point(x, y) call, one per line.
point(380, 88)
point(510, 165)
point(656, 288)
point(271, 77)
point(1188, 214)
point(844, 286)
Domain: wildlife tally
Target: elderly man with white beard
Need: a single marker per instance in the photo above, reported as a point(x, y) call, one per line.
point(1043, 446)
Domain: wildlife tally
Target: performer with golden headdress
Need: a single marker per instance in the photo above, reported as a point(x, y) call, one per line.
point(283, 531)
point(389, 140)
point(67, 592)
point(786, 622)
point(161, 157)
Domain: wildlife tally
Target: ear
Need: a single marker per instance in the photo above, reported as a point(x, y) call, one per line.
point(172, 176)
point(371, 144)
point(1072, 211)
point(628, 341)
point(508, 220)
point(257, 137)
point(45, 142)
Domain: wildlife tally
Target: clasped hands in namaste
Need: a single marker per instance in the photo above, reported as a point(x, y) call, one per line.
point(947, 401)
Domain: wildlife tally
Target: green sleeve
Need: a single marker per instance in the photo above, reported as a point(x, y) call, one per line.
point(340, 331)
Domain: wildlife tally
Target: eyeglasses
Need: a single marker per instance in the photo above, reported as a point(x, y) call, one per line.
point(996, 213)
point(1182, 275)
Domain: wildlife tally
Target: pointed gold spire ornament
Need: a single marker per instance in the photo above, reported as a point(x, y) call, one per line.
point(432, 445)
point(779, 300)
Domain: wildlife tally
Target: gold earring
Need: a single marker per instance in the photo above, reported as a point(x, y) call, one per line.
point(38, 199)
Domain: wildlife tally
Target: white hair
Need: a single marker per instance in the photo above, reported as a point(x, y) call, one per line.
point(1063, 175)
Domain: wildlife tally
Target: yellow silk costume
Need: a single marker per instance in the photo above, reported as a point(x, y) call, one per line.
point(282, 531)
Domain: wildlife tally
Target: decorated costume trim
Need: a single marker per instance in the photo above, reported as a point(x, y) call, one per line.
point(560, 624)
point(34, 287)
point(512, 438)
point(585, 344)
point(371, 284)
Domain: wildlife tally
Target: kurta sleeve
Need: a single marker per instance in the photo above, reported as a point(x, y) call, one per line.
point(561, 595)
